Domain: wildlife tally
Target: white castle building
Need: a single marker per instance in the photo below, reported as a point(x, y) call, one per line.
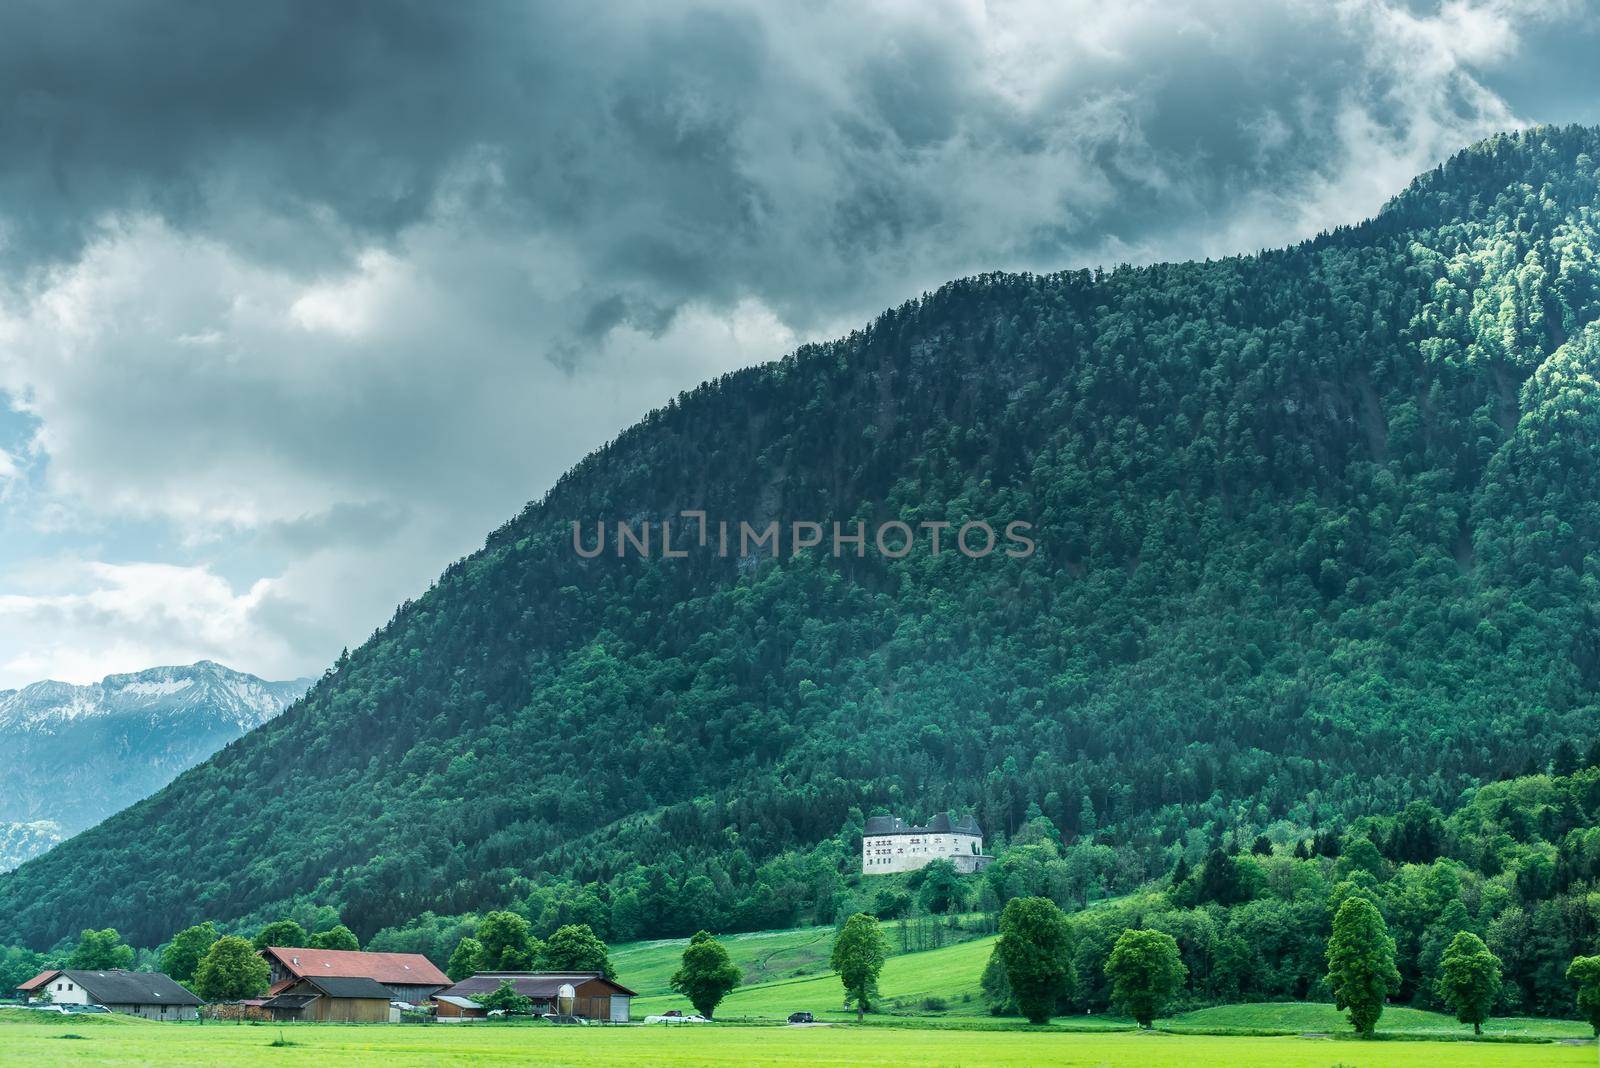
point(889, 844)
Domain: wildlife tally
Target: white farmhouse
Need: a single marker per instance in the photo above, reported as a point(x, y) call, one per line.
point(891, 845)
point(149, 994)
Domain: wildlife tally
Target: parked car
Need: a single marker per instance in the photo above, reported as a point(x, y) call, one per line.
point(564, 1018)
point(673, 1012)
point(678, 1019)
point(801, 1017)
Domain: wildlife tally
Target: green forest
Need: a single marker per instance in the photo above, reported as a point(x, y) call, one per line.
point(1316, 550)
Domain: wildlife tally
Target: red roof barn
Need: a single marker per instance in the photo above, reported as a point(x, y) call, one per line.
point(409, 976)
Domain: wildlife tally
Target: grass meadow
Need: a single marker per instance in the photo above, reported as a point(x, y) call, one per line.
point(57, 1040)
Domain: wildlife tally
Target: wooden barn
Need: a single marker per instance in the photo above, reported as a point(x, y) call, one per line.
point(587, 994)
point(331, 999)
point(407, 976)
point(451, 1008)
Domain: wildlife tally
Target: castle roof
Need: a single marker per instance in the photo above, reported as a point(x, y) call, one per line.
point(940, 824)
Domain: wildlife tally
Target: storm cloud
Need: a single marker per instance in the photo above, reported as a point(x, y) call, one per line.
point(302, 299)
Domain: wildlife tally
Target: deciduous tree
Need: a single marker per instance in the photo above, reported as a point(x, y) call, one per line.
point(184, 953)
point(286, 933)
point(575, 948)
point(1033, 951)
point(859, 951)
point(466, 960)
point(100, 949)
point(508, 943)
point(1361, 969)
point(340, 937)
point(1469, 979)
point(707, 973)
point(1145, 971)
point(1584, 973)
point(230, 970)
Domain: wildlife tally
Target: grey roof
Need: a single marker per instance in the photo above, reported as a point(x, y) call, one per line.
point(290, 1001)
point(341, 986)
point(458, 1002)
point(538, 985)
point(115, 986)
point(940, 824)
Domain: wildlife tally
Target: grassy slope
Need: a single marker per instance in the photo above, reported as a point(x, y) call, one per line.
point(765, 956)
point(951, 973)
point(146, 1043)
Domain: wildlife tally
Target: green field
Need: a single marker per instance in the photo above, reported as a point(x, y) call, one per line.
point(44, 1040)
point(1299, 1018)
point(952, 974)
point(907, 1033)
point(765, 956)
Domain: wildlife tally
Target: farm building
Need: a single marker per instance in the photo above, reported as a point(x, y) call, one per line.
point(407, 976)
point(452, 1008)
point(149, 994)
point(587, 994)
point(331, 999)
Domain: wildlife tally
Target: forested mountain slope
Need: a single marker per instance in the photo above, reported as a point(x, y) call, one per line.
point(1316, 535)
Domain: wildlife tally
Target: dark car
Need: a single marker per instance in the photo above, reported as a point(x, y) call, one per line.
point(800, 1017)
point(564, 1018)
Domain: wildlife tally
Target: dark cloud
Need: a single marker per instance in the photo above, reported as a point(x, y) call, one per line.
point(394, 266)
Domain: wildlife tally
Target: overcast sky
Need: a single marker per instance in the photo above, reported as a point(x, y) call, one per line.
point(298, 301)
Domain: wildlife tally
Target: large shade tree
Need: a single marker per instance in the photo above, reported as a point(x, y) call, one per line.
point(1469, 979)
point(1145, 972)
point(230, 970)
point(1033, 951)
point(285, 933)
point(859, 951)
point(1361, 968)
point(183, 954)
point(97, 950)
point(707, 973)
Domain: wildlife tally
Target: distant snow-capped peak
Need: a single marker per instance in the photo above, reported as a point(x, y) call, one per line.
point(163, 693)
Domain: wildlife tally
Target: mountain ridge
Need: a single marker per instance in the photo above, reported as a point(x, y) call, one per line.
point(76, 754)
point(1313, 537)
